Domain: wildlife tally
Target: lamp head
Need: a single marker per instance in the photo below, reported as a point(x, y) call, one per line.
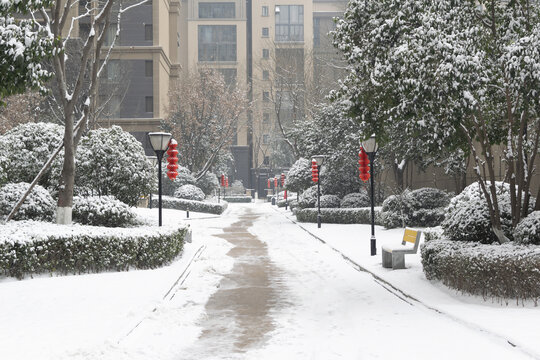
point(159, 140)
point(370, 145)
point(319, 159)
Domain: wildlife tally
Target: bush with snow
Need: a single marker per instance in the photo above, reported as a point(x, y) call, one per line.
point(191, 205)
point(528, 229)
point(39, 205)
point(308, 199)
point(29, 247)
point(110, 161)
point(102, 211)
point(355, 200)
point(330, 201)
point(26, 148)
point(299, 176)
point(237, 188)
point(421, 207)
point(189, 192)
point(208, 183)
point(507, 271)
point(238, 198)
point(467, 215)
point(184, 177)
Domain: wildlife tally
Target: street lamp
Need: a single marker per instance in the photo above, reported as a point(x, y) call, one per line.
point(370, 147)
point(153, 161)
point(159, 142)
point(319, 160)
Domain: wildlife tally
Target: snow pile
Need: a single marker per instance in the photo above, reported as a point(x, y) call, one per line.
point(189, 192)
point(102, 211)
point(528, 229)
point(39, 205)
point(506, 271)
point(31, 247)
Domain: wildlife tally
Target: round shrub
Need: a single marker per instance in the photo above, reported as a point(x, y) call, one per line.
point(467, 215)
point(26, 148)
point(184, 177)
point(208, 183)
point(308, 199)
point(102, 211)
point(39, 205)
point(237, 188)
point(528, 229)
point(330, 201)
point(355, 200)
point(299, 176)
point(110, 161)
point(429, 198)
point(189, 192)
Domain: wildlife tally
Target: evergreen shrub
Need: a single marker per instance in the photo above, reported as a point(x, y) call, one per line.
point(102, 211)
point(355, 200)
point(507, 271)
point(30, 247)
point(191, 205)
point(339, 216)
point(528, 229)
point(189, 192)
point(330, 201)
point(39, 205)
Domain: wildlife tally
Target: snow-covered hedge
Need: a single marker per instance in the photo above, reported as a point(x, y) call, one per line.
point(237, 188)
point(102, 211)
point(299, 176)
point(111, 161)
point(528, 229)
point(421, 207)
point(355, 200)
point(191, 205)
point(308, 199)
point(238, 198)
point(39, 205)
point(506, 271)
point(29, 247)
point(26, 148)
point(330, 201)
point(467, 216)
point(339, 216)
point(189, 192)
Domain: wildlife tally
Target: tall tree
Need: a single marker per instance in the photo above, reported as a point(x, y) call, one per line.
point(204, 115)
point(452, 75)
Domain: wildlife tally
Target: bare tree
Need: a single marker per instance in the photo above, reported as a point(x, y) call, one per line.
point(204, 115)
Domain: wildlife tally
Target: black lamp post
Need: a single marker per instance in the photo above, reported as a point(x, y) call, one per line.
point(159, 142)
point(153, 160)
point(319, 159)
point(370, 146)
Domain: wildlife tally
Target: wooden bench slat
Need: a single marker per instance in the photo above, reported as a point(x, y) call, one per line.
point(410, 235)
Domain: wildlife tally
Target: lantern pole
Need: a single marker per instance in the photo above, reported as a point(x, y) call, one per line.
point(319, 197)
point(373, 240)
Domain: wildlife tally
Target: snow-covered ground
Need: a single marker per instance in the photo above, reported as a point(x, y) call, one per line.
point(325, 308)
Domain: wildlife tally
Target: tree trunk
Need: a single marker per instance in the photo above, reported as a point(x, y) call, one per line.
point(67, 177)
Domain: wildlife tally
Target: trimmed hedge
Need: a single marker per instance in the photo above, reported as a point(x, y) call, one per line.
point(339, 216)
point(238, 199)
point(102, 211)
point(29, 247)
point(506, 271)
point(190, 205)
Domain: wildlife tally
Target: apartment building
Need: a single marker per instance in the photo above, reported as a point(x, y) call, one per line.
point(252, 43)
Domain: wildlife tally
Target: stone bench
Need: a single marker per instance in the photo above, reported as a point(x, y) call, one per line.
point(394, 257)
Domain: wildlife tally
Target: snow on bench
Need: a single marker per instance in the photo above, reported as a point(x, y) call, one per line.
point(394, 257)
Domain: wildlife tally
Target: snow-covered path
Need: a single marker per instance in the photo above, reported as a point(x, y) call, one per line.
point(258, 287)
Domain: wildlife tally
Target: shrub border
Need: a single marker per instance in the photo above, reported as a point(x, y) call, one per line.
point(169, 202)
point(339, 215)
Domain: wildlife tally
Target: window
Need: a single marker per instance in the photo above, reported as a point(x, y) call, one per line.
point(265, 32)
point(216, 10)
point(266, 160)
point(265, 11)
point(266, 96)
point(111, 71)
point(266, 53)
point(217, 42)
point(266, 75)
point(266, 139)
point(148, 68)
point(148, 32)
point(149, 104)
point(290, 23)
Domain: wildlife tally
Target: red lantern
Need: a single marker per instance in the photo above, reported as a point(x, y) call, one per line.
point(363, 167)
point(282, 179)
point(172, 160)
point(285, 195)
point(314, 171)
point(269, 183)
point(222, 180)
point(275, 182)
point(227, 181)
